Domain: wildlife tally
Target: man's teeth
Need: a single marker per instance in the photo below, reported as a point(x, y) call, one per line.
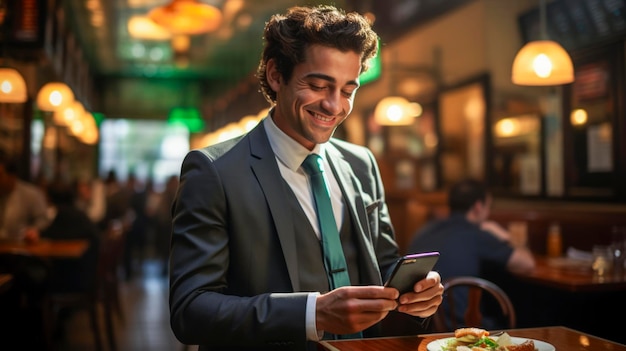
point(325, 119)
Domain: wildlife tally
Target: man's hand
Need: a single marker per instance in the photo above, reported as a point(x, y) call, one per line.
point(426, 297)
point(351, 309)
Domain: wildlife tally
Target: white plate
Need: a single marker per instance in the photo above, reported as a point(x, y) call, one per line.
point(437, 345)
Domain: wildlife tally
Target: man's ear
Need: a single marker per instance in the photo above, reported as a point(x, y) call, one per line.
point(474, 211)
point(274, 77)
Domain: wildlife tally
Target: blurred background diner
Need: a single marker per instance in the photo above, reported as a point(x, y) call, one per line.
point(100, 100)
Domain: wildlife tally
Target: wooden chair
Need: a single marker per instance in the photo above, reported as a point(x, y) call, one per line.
point(102, 293)
point(445, 321)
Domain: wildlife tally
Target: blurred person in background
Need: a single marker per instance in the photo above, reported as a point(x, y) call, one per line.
point(22, 205)
point(163, 221)
point(134, 249)
point(117, 195)
point(70, 222)
point(91, 198)
point(468, 241)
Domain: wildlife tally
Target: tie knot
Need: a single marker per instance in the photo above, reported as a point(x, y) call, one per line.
point(313, 164)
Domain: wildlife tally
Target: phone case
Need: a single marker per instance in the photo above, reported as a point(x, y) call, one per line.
point(410, 269)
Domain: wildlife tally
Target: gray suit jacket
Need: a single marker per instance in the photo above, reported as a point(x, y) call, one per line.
point(233, 265)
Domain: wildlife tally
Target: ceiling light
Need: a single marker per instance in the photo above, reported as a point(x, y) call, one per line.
point(578, 117)
point(12, 86)
point(187, 17)
point(393, 111)
point(542, 62)
point(54, 96)
point(142, 27)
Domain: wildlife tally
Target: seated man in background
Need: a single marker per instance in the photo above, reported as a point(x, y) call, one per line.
point(70, 222)
point(22, 205)
point(467, 240)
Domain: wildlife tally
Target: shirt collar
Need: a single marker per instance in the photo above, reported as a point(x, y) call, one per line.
point(287, 150)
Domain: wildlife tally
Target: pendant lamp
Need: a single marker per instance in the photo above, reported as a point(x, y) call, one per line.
point(542, 62)
point(187, 17)
point(393, 111)
point(12, 86)
point(54, 96)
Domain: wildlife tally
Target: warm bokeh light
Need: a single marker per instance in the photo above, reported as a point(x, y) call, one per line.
point(142, 27)
point(506, 127)
point(542, 62)
point(578, 117)
point(54, 96)
point(12, 86)
point(393, 111)
point(542, 66)
point(187, 17)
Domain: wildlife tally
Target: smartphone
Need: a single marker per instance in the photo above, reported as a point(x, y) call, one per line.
point(410, 269)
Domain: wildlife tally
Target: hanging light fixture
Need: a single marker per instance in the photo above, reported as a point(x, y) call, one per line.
point(142, 27)
point(394, 111)
point(54, 96)
point(12, 86)
point(542, 62)
point(187, 17)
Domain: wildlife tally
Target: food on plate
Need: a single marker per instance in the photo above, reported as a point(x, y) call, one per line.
point(527, 345)
point(470, 335)
point(477, 339)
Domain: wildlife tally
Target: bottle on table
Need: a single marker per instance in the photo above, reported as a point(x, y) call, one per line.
point(554, 241)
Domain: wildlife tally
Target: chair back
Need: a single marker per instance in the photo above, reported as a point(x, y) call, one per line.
point(445, 319)
point(111, 250)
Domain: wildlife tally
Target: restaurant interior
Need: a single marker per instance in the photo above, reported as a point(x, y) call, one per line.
point(90, 87)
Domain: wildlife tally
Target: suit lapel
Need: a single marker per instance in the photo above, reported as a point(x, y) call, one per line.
point(352, 191)
point(263, 163)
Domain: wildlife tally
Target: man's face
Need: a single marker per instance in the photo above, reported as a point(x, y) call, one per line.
point(319, 95)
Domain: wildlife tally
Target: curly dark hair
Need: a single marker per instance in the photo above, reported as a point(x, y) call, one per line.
point(288, 36)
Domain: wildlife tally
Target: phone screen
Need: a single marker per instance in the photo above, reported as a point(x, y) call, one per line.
point(410, 269)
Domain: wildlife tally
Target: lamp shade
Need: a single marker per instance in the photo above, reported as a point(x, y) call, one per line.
point(542, 62)
point(142, 27)
point(187, 17)
point(394, 111)
point(54, 96)
point(66, 115)
point(12, 86)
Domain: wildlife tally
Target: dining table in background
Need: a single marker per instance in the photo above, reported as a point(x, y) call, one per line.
point(571, 275)
point(45, 248)
point(562, 338)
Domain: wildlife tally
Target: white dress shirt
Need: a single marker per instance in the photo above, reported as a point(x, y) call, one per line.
point(290, 155)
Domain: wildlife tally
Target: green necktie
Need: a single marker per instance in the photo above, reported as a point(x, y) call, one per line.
point(334, 260)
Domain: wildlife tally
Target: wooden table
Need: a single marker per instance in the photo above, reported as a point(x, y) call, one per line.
point(571, 275)
point(47, 248)
point(562, 338)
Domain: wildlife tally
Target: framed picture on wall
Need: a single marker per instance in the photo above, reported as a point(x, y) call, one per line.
point(593, 126)
point(462, 126)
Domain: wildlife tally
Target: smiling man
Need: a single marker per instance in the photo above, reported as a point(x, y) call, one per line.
point(254, 262)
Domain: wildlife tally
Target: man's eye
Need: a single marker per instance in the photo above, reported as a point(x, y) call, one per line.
point(347, 94)
point(316, 87)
